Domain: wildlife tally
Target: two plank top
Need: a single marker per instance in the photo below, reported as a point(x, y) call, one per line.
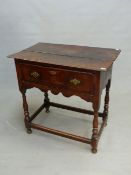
point(83, 57)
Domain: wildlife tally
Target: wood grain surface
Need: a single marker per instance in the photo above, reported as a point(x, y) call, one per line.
point(84, 57)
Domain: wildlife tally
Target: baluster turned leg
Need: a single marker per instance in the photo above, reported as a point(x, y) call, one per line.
point(106, 105)
point(46, 102)
point(26, 113)
point(95, 129)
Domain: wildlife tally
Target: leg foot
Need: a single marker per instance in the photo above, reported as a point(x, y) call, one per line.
point(94, 140)
point(47, 110)
point(29, 131)
point(94, 150)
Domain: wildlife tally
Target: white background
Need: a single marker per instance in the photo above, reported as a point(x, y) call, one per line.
point(82, 22)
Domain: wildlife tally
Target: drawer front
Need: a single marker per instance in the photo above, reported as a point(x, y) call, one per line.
point(71, 80)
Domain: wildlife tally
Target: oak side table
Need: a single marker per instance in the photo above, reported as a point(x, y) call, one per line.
point(72, 70)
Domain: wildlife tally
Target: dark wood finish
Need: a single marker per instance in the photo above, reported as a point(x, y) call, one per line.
point(33, 116)
point(72, 70)
point(64, 79)
point(26, 112)
point(95, 127)
point(46, 102)
point(92, 58)
point(74, 109)
point(106, 105)
point(60, 133)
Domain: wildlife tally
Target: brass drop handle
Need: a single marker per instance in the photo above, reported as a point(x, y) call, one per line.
point(34, 75)
point(75, 81)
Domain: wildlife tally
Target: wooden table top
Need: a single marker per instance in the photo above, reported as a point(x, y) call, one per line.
point(83, 57)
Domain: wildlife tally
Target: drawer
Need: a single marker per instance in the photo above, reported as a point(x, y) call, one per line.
point(71, 80)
